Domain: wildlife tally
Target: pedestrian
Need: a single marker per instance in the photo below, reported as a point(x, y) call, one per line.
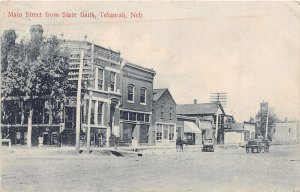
point(181, 145)
point(178, 143)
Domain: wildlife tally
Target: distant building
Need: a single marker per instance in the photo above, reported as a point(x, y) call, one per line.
point(163, 123)
point(239, 133)
point(286, 132)
point(188, 129)
point(208, 111)
point(136, 105)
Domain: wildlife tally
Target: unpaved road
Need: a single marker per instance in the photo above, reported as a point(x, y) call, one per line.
point(158, 170)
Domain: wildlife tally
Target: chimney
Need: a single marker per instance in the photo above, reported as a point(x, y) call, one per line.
point(195, 101)
point(36, 32)
point(9, 37)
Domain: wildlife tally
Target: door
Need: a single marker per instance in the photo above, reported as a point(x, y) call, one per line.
point(45, 138)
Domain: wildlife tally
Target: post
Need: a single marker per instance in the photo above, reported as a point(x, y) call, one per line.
point(88, 131)
point(267, 122)
point(217, 126)
point(78, 104)
point(29, 129)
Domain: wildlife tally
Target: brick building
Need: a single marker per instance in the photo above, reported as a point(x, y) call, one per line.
point(101, 77)
point(163, 123)
point(100, 91)
point(136, 105)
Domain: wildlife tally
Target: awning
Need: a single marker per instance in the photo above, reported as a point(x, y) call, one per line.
point(190, 127)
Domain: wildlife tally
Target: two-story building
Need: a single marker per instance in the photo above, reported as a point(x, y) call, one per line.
point(101, 92)
point(136, 105)
point(209, 111)
point(163, 123)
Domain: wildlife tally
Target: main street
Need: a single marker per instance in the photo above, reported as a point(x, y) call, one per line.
point(157, 170)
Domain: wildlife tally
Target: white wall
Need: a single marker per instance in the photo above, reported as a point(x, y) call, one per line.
point(234, 138)
point(285, 132)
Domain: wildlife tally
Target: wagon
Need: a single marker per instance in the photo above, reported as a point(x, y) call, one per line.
point(208, 145)
point(257, 145)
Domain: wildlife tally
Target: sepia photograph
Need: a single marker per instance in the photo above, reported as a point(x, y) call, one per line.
point(149, 96)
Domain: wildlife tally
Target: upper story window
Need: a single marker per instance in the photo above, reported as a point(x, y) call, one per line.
point(130, 93)
point(170, 114)
point(100, 78)
point(113, 81)
point(143, 96)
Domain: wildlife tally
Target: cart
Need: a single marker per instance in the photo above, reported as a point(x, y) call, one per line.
point(257, 145)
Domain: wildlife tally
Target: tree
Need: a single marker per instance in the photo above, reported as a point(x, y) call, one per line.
point(32, 70)
point(261, 120)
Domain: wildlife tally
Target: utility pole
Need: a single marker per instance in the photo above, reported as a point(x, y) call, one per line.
point(88, 134)
point(267, 126)
point(78, 104)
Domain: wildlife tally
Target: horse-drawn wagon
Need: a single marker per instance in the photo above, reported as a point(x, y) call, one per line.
point(257, 145)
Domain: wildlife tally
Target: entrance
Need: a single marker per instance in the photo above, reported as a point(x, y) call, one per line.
point(45, 138)
point(70, 117)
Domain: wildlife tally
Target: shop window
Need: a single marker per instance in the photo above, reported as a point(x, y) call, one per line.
point(143, 96)
point(99, 115)
point(93, 112)
point(124, 115)
point(165, 131)
point(132, 116)
point(130, 93)
point(140, 117)
point(159, 132)
point(147, 118)
point(171, 132)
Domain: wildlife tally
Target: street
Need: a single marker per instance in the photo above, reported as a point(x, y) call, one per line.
point(157, 170)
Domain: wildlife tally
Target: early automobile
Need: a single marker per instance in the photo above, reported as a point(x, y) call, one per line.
point(257, 145)
point(208, 145)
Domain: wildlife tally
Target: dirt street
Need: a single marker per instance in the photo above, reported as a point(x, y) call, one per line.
point(157, 170)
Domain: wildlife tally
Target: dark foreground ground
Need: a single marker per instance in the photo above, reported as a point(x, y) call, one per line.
point(157, 170)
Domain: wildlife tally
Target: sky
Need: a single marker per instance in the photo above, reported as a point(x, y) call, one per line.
point(250, 50)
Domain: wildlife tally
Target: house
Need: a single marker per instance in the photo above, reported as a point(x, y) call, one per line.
point(286, 132)
point(163, 122)
point(239, 133)
point(136, 105)
point(213, 112)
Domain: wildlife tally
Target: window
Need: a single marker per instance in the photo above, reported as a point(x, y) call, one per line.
point(99, 116)
point(93, 112)
point(165, 133)
point(112, 81)
point(170, 114)
point(140, 117)
point(147, 118)
point(143, 96)
point(159, 132)
point(171, 132)
point(100, 79)
point(131, 93)
point(124, 115)
point(161, 112)
point(132, 116)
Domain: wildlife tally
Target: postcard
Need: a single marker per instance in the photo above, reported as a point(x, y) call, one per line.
point(150, 96)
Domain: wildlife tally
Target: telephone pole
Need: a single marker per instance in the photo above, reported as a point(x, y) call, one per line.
point(78, 104)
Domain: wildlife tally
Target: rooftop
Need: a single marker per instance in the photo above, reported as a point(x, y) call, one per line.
point(201, 108)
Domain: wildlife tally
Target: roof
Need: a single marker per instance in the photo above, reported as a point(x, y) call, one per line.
point(140, 67)
point(201, 108)
point(237, 127)
point(190, 127)
point(157, 93)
